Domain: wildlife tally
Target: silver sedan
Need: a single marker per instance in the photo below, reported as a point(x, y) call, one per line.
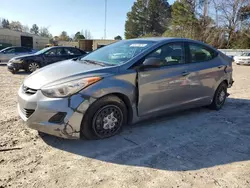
point(7, 53)
point(94, 96)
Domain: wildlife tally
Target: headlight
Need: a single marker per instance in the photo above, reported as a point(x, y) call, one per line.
point(68, 88)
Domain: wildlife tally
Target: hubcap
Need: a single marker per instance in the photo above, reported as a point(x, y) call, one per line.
point(107, 121)
point(33, 67)
point(221, 97)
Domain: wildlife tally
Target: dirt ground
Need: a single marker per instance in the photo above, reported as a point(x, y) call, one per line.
point(195, 148)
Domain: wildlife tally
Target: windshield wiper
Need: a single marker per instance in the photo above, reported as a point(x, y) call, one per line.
point(94, 62)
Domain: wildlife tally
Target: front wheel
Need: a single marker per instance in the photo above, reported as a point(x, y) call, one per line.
point(33, 66)
point(104, 118)
point(219, 97)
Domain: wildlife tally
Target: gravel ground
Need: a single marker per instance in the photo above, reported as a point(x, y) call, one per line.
point(196, 148)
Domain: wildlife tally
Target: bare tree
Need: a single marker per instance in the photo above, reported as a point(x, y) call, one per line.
point(87, 34)
point(229, 13)
point(25, 28)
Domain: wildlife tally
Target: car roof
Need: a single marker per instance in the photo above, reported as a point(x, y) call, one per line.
point(161, 39)
point(172, 39)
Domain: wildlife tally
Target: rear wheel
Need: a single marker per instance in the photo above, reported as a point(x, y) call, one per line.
point(104, 118)
point(33, 66)
point(219, 97)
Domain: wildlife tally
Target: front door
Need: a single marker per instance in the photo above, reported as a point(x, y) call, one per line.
point(54, 55)
point(164, 87)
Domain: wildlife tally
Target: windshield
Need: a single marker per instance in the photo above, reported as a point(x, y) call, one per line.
point(3, 50)
point(42, 51)
point(119, 52)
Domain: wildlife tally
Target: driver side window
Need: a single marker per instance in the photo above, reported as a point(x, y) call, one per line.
point(51, 52)
point(170, 54)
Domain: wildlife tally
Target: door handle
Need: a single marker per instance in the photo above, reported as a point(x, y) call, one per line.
point(185, 73)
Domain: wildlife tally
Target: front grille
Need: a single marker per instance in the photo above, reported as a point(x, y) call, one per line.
point(28, 90)
point(27, 112)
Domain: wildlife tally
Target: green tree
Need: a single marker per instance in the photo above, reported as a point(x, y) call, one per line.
point(184, 21)
point(34, 29)
point(5, 23)
point(118, 37)
point(78, 36)
point(147, 16)
point(64, 36)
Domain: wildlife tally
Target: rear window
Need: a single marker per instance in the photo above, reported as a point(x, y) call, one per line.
point(200, 53)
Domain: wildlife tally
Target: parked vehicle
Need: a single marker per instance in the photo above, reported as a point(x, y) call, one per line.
point(7, 53)
point(94, 96)
point(244, 59)
point(44, 57)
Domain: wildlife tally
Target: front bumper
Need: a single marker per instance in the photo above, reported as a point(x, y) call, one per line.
point(242, 62)
point(12, 67)
point(41, 109)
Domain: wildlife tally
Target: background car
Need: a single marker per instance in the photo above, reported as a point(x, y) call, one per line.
point(7, 53)
point(244, 59)
point(44, 57)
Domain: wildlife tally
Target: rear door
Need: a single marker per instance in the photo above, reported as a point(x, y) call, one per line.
point(73, 52)
point(163, 87)
point(205, 70)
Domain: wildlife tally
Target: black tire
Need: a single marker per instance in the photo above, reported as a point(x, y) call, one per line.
point(14, 71)
point(92, 126)
point(32, 66)
point(219, 97)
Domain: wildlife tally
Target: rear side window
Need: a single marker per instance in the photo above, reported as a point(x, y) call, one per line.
point(200, 53)
point(21, 50)
point(72, 51)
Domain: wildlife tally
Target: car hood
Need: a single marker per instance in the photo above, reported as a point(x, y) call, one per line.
point(62, 71)
point(24, 56)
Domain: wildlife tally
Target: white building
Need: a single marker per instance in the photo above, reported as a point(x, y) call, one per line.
point(16, 38)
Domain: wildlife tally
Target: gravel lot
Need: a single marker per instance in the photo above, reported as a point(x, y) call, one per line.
point(195, 148)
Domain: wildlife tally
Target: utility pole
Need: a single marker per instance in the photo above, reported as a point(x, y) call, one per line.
point(205, 10)
point(105, 21)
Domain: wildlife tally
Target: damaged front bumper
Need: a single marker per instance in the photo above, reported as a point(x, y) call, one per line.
point(60, 117)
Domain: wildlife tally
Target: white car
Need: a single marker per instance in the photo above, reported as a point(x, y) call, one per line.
point(244, 59)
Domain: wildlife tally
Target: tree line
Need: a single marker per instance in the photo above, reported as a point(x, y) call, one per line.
point(220, 23)
point(44, 31)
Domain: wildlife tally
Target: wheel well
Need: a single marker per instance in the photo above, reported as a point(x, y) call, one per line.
point(225, 81)
point(127, 102)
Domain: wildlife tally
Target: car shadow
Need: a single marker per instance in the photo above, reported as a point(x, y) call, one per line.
point(188, 140)
point(22, 72)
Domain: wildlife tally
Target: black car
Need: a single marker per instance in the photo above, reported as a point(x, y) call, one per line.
point(42, 58)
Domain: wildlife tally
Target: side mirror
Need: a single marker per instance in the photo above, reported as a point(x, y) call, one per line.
point(152, 62)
